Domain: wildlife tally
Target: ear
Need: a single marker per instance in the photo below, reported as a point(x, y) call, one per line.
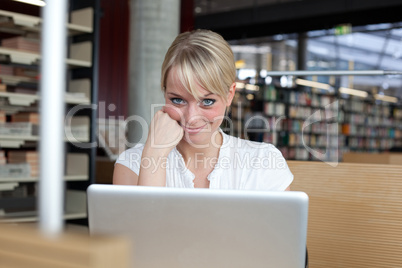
point(231, 93)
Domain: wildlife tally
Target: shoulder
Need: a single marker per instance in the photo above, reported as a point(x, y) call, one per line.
point(260, 165)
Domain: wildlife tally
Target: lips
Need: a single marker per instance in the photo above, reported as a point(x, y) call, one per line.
point(193, 130)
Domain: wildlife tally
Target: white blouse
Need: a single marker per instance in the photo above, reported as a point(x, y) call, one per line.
point(241, 165)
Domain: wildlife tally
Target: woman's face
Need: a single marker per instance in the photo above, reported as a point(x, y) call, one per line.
point(201, 119)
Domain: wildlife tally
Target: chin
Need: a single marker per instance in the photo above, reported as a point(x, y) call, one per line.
point(200, 139)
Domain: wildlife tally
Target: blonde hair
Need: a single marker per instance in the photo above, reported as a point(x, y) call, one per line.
point(203, 58)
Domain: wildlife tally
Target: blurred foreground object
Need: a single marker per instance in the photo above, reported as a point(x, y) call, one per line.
point(22, 246)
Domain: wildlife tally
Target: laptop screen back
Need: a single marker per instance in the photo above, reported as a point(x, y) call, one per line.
point(171, 227)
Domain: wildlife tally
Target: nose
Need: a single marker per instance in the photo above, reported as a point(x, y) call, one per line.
point(193, 114)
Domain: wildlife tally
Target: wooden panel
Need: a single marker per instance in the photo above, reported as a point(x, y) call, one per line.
point(22, 246)
point(374, 158)
point(395, 159)
point(355, 213)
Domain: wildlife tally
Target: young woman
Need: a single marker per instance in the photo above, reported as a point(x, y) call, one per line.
point(185, 145)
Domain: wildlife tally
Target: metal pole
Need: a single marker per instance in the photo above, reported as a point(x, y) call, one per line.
point(302, 51)
point(52, 88)
point(334, 73)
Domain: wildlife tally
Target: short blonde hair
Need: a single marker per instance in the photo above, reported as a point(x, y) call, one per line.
point(200, 57)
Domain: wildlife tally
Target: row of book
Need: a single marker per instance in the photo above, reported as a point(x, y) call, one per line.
point(300, 98)
point(303, 112)
point(300, 112)
point(397, 113)
point(3, 117)
point(297, 98)
point(370, 144)
point(18, 71)
point(294, 139)
point(270, 93)
point(322, 100)
point(20, 191)
point(20, 117)
point(318, 127)
point(26, 124)
point(6, 69)
point(314, 100)
point(319, 142)
point(274, 109)
point(3, 87)
point(275, 124)
point(305, 140)
point(18, 89)
point(22, 43)
point(357, 106)
point(363, 119)
point(325, 141)
point(19, 164)
point(25, 164)
point(21, 124)
point(392, 133)
point(379, 110)
point(25, 117)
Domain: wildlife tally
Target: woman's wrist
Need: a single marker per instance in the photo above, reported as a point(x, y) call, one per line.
point(153, 166)
point(155, 150)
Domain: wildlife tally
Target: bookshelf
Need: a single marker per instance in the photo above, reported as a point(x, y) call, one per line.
point(371, 127)
point(19, 113)
point(300, 120)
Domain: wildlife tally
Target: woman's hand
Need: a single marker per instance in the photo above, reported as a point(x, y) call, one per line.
point(164, 133)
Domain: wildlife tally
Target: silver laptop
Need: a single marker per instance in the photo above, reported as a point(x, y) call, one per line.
point(191, 228)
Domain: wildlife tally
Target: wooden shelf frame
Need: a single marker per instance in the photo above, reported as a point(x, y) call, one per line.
point(82, 64)
point(21, 23)
point(22, 99)
point(29, 58)
point(8, 141)
point(83, 177)
point(75, 208)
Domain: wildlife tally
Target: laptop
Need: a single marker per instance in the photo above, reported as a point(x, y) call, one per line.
point(191, 228)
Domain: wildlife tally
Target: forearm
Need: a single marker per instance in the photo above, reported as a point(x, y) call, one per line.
point(153, 167)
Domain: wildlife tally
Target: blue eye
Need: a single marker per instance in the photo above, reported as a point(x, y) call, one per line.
point(177, 101)
point(208, 102)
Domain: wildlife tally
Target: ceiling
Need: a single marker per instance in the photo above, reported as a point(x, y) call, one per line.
point(375, 46)
point(203, 7)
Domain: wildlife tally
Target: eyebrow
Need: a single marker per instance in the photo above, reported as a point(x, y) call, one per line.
point(177, 95)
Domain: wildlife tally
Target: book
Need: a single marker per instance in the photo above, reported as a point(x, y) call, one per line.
point(2, 117)
point(7, 70)
point(25, 117)
point(22, 43)
point(24, 156)
point(20, 71)
point(23, 90)
point(3, 159)
point(15, 170)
